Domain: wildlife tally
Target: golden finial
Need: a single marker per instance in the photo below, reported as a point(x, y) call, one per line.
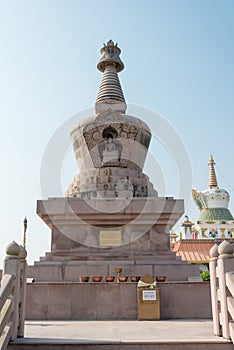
point(212, 177)
point(211, 159)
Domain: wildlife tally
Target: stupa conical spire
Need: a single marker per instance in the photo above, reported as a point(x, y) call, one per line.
point(110, 94)
point(212, 177)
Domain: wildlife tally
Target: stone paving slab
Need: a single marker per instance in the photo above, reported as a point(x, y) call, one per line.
point(91, 332)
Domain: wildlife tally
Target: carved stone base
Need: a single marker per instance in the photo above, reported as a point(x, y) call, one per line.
point(137, 233)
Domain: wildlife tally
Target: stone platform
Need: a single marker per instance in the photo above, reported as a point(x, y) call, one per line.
point(112, 301)
point(106, 229)
point(65, 271)
point(94, 237)
point(121, 335)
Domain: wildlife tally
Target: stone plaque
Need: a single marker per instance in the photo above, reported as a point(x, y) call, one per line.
point(110, 238)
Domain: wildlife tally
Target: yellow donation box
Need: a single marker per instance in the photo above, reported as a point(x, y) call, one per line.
point(148, 298)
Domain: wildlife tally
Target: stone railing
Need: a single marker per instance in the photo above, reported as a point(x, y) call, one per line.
point(12, 295)
point(222, 289)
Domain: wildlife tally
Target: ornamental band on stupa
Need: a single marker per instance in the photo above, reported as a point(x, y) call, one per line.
point(111, 215)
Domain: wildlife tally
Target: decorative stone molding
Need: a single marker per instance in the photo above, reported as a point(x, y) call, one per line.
point(13, 250)
point(214, 253)
point(23, 253)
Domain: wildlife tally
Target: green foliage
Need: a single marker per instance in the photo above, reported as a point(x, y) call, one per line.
point(205, 275)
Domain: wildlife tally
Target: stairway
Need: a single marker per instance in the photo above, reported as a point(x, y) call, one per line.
point(122, 346)
point(121, 335)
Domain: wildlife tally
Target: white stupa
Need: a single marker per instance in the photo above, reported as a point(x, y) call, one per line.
point(215, 220)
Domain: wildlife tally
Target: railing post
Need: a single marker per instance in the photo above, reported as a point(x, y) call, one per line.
point(213, 289)
point(224, 265)
point(22, 304)
point(12, 267)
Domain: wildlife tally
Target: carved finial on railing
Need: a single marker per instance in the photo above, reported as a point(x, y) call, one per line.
point(15, 268)
point(23, 253)
point(214, 252)
point(12, 250)
point(226, 249)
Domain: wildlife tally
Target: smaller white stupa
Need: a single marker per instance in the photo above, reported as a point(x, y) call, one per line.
point(215, 220)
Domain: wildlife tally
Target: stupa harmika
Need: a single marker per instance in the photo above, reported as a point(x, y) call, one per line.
point(111, 216)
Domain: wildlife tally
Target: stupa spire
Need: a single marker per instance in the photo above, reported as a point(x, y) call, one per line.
point(110, 94)
point(212, 178)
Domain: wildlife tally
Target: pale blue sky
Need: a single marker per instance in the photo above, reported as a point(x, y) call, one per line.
point(179, 61)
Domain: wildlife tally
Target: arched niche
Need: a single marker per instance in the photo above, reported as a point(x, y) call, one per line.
point(110, 145)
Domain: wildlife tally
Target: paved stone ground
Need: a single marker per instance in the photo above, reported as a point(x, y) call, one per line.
point(120, 331)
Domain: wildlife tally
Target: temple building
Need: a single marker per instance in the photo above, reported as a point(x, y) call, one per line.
point(111, 215)
point(214, 224)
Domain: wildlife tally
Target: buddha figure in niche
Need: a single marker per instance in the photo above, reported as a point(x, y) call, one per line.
point(110, 153)
point(110, 145)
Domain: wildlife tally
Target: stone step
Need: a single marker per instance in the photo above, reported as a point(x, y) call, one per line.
point(104, 257)
point(120, 346)
point(121, 335)
point(55, 271)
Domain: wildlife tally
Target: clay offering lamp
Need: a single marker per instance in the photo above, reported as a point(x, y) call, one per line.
point(97, 278)
point(161, 278)
point(135, 278)
point(110, 278)
point(123, 278)
point(84, 279)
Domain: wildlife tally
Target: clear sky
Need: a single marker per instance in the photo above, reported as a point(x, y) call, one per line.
point(179, 61)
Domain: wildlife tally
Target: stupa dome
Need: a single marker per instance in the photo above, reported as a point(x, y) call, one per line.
point(216, 198)
point(129, 135)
